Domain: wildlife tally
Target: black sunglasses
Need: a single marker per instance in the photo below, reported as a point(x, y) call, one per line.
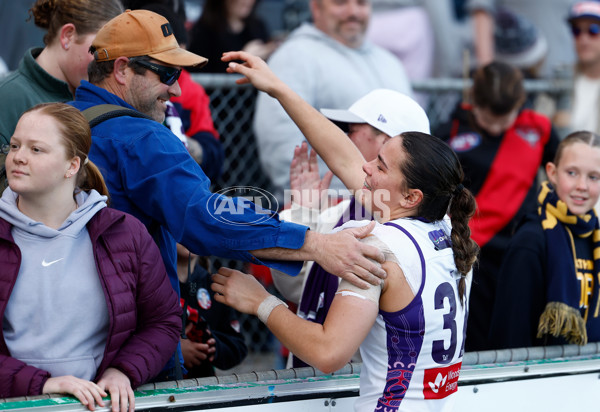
point(168, 75)
point(593, 30)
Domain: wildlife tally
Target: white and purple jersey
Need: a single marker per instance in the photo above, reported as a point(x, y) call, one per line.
point(415, 354)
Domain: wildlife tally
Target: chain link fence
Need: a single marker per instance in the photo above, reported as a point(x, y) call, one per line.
point(232, 109)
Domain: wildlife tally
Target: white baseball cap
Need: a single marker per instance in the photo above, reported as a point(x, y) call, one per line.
point(386, 110)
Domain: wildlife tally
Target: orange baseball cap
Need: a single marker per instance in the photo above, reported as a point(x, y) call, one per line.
point(142, 33)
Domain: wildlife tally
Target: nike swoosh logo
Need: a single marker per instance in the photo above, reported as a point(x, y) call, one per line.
point(44, 263)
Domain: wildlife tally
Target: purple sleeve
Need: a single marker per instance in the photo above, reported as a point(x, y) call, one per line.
point(19, 379)
point(158, 328)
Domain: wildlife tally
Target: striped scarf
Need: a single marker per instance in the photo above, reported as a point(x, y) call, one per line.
point(563, 315)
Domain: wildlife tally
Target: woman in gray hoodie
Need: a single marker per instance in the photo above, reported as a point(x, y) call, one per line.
point(76, 316)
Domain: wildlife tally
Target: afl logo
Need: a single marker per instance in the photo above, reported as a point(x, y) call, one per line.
point(464, 142)
point(230, 204)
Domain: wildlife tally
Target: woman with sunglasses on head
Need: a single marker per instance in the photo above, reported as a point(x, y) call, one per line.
point(52, 73)
point(85, 302)
point(411, 328)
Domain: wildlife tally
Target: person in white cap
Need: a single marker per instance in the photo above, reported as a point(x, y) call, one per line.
point(150, 174)
point(371, 121)
point(378, 115)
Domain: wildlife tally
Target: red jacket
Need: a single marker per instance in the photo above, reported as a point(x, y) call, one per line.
point(144, 312)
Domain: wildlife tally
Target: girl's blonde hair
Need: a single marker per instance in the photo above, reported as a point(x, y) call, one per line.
point(582, 136)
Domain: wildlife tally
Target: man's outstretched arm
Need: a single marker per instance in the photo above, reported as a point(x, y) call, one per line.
point(340, 253)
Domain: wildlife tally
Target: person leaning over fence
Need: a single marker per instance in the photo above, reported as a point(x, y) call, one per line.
point(371, 121)
point(501, 146)
point(189, 116)
point(410, 328)
point(151, 175)
point(52, 73)
point(549, 283)
point(85, 303)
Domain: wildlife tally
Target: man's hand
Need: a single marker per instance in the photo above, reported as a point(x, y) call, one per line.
point(340, 254)
point(117, 384)
point(305, 182)
point(87, 392)
point(343, 255)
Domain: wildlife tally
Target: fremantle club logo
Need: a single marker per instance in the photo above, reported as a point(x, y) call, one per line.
point(231, 205)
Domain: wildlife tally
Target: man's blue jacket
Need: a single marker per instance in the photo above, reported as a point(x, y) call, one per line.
point(150, 175)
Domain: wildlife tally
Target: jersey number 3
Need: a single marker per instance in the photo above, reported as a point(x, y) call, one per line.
point(441, 352)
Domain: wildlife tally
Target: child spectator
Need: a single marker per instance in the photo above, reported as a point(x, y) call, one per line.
point(549, 280)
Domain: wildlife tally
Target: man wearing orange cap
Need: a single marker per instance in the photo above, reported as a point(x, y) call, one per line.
point(150, 174)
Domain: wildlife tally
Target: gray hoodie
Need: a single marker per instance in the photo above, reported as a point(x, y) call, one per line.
point(56, 318)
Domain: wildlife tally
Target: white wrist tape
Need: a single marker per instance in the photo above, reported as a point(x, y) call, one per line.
point(266, 307)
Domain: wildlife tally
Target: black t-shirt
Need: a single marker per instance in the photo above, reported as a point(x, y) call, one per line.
point(211, 43)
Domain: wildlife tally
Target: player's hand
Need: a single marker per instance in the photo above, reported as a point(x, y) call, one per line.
point(238, 290)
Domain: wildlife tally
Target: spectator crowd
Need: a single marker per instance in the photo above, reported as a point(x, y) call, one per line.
point(110, 149)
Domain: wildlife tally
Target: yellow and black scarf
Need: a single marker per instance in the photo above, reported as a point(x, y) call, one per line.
point(563, 315)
